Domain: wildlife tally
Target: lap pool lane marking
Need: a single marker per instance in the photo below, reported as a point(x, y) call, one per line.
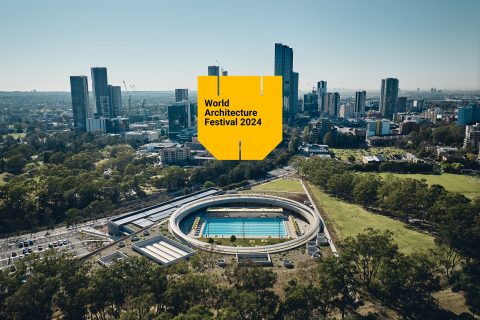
point(240, 117)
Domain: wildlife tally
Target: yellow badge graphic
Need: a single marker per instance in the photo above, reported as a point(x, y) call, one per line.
point(240, 117)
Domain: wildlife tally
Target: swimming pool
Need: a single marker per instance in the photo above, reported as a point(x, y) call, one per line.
point(244, 227)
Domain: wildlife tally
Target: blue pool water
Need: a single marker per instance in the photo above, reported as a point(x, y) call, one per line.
point(248, 227)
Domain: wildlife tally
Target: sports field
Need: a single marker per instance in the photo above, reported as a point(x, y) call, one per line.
point(350, 219)
point(469, 186)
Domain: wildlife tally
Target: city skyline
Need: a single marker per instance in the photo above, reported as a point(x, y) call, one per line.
point(424, 44)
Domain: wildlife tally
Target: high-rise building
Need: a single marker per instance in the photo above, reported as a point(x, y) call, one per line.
point(334, 104)
point(325, 100)
point(80, 103)
point(378, 127)
point(115, 101)
point(360, 98)
point(401, 104)
point(213, 70)
point(472, 136)
point(101, 94)
point(347, 111)
point(388, 97)
point(179, 118)
point(321, 89)
point(284, 68)
point(468, 115)
point(181, 94)
point(310, 103)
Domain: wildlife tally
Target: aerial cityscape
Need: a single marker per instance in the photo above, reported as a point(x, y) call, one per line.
point(112, 208)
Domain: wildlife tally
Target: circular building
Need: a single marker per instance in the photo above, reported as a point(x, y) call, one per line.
point(244, 223)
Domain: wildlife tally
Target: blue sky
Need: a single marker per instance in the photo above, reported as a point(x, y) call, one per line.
point(162, 45)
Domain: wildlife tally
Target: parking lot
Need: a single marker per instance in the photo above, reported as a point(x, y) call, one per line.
point(67, 241)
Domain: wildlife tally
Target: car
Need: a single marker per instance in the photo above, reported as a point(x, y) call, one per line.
point(20, 244)
point(50, 246)
point(30, 250)
point(287, 263)
point(65, 242)
point(146, 233)
point(60, 243)
point(55, 244)
point(221, 263)
point(135, 238)
point(40, 248)
point(30, 242)
point(25, 250)
point(25, 243)
point(121, 244)
point(14, 254)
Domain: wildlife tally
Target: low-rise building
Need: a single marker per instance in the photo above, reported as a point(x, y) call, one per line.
point(472, 136)
point(174, 154)
point(448, 153)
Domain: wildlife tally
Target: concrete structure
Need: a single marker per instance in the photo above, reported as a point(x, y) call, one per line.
point(163, 250)
point(146, 217)
point(401, 104)
point(179, 118)
point(305, 212)
point(181, 95)
point(213, 70)
point(174, 154)
point(321, 89)
point(378, 127)
point(96, 124)
point(468, 115)
point(115, 93)
point(112, 258)
point(101, 94)
point(360, 98)
point(80, 102)
point(315, 150)
point(472, 136)
point(147, 135)
point(284, 67)
point(388, 97)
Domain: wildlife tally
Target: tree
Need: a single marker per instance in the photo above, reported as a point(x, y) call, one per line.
point(367, 252)
point(366, 189)
point(233, 238)
point(252, 278)
point(302, 302)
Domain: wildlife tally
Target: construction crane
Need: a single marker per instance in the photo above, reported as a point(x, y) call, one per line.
point(220, 66)
point(129, 106)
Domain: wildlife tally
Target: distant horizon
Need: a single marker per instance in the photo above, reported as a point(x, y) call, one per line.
point(163, 45)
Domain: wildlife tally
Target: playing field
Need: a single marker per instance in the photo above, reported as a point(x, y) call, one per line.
point(280, 185)
point(469, 186)
point(350, 219)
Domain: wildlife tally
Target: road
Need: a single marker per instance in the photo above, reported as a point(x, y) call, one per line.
point(327, 234)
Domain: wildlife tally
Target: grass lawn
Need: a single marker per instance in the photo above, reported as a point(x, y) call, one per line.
point(350, 219)
point(469, 186)
point(281, 185)
point(343, 154)
point(16, 135)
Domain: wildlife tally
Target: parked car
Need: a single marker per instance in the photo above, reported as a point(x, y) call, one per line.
point(65, 242)
point(135, 238)
point(25, 250)
point(287, 263)
point(20, 244)
point(14, 254)
point(50, 246)
point(30, 250)
point(40, 248)
point(30, 242)
point(221, 263)
point(121, 244)
point(146, 232)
